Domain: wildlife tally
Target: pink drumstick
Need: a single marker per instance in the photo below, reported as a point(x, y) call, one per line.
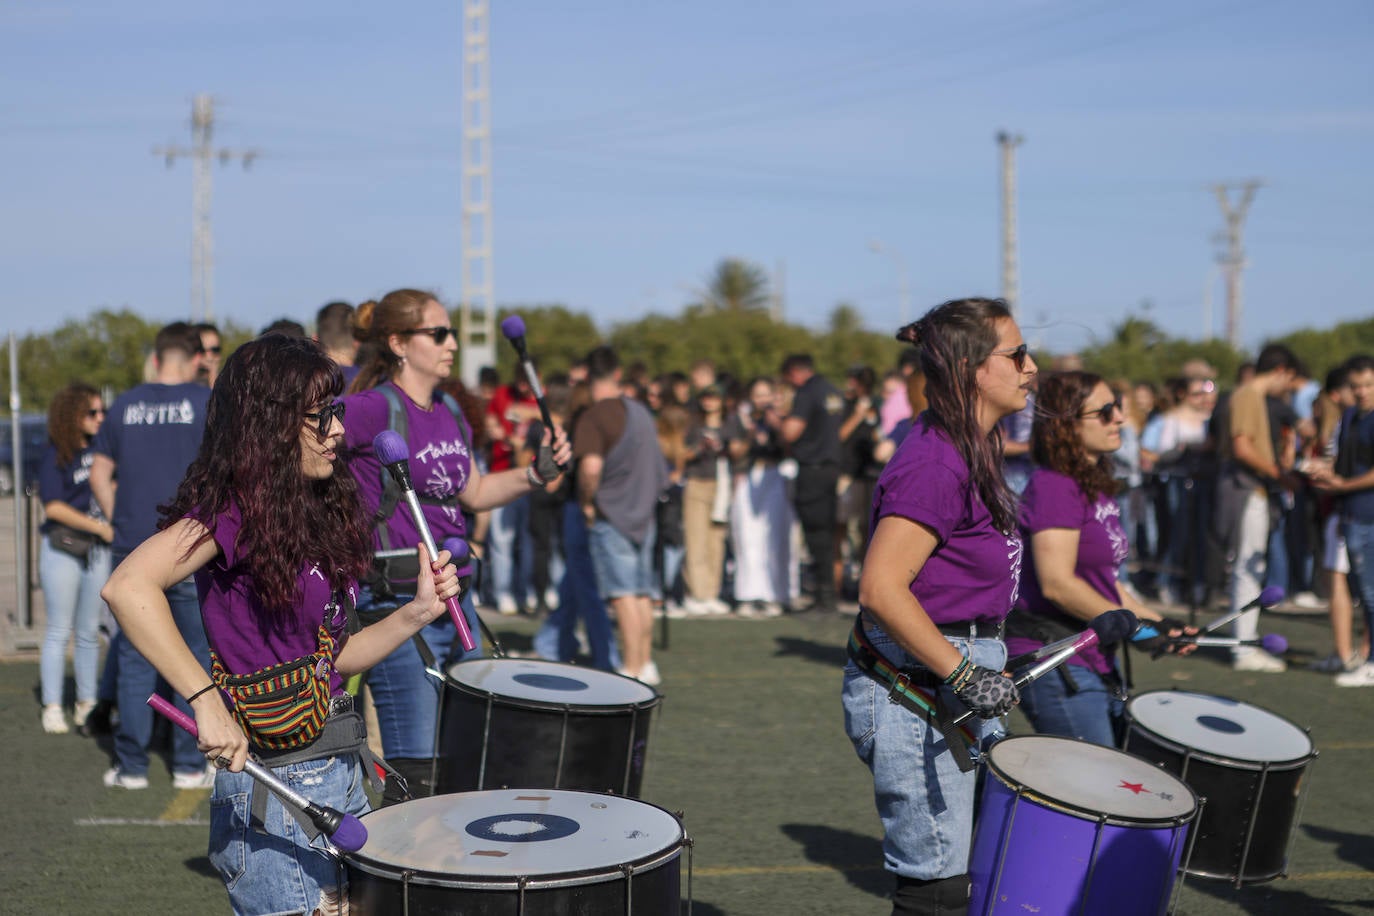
point(344, 830)
point(395, 457)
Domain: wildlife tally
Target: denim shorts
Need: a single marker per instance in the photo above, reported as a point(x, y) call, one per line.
point(924, 801)
point(622, 567)
point(282, 871)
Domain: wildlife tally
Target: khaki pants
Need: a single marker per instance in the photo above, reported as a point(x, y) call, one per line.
point(703, 540)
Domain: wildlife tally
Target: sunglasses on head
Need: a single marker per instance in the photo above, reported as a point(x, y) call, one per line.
point(439, 334)
point(324, 417)
point(1105, 412)
point(1017, 356)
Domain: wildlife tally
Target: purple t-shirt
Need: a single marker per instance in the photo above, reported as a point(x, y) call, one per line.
point(248, 637)
point(1054, 500)
point(440, 463)
point(974, 571)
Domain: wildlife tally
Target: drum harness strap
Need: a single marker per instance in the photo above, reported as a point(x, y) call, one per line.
point(1048, 628)
point(917, 689)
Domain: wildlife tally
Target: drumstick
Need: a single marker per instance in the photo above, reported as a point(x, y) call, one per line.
point(513, 327)
point(1107, 627)
point(1272, 643)
point(1111, 626)
point(1266, 599)
point(344, 830)
point(394, 455)
point(462, 553)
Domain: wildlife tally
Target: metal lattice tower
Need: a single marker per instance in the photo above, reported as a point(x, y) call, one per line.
point(1011, 279)
point(478, 319)
point(1232, 256)
point(201, 152)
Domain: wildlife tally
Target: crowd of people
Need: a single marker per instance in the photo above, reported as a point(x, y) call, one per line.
point(938, 495)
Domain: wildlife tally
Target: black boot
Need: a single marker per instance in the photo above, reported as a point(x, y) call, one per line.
point(937, 897)
point(416, 779)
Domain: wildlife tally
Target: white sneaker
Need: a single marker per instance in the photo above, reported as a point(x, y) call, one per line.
point(82, 711)
point(115, 779)
point(748, 610)
point(505, 604)
point(717, 607)
point(1362, 676)
point(1257, 661)
point(198, 779)
point(674, 611)
point(770, 609)
point(695, 608)
point(551, 598)
point(54, 719)
point(1334, 664)
point(1308, 600)
point(649, 675)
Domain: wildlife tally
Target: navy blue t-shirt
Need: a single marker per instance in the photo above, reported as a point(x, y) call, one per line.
point(1354, 457)
point(70, 484)
point(151, 433)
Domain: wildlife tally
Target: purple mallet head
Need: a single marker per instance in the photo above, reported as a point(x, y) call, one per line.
point(390, 447)
point(1271, 596)
point(461, 555)
point(350, 835)
point(512, 327)
point(1274, 644)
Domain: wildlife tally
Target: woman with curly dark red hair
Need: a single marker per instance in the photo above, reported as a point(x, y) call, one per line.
point(1070, 523)
point(276, 540)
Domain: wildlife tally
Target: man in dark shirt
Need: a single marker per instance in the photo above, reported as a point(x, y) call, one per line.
point(812, 430)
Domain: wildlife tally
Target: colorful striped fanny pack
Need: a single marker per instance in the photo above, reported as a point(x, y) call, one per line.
point(282, 707)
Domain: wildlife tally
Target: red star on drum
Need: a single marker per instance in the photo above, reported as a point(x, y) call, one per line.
point(1136, 787)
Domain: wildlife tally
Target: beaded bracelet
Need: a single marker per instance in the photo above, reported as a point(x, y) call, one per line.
point(959, 672)
point(533, 476)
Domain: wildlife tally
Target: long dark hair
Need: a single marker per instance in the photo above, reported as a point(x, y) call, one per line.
point(251, 453)
point(1055, 443)
point(65, 413)
point(955, 338)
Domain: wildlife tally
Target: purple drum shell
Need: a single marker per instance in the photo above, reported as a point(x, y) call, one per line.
point(1046, 848)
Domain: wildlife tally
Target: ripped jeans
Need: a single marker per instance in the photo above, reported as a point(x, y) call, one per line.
point(282, 871)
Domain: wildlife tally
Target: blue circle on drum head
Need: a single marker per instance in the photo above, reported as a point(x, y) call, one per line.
point(1218, 724)
point(550, 682)
point(523, 827)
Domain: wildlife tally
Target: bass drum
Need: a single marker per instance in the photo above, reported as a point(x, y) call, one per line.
point(1248, 765)
point(526, 723)
point(518, 853)
point(1068, 827)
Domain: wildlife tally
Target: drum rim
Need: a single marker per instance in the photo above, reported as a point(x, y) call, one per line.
point(600, 875)
point(1239, 763)
point(1020, 791)
point(655, 698)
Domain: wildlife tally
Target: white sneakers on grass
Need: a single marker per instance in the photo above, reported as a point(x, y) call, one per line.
point(1363, 676)
point(54, 719)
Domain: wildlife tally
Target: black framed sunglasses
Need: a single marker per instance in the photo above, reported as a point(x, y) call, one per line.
point(1017, 356)
point(1103, 413)
point(324, 417)
point(438, 334)
point(96, 412)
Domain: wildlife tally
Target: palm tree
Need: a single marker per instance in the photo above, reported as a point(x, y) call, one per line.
point(736, 286)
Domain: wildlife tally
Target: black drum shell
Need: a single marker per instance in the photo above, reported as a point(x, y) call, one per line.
point(491, 741)
point(1232, 794)
point(655, 891)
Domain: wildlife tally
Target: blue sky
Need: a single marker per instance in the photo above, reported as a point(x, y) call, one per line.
point(638, 143)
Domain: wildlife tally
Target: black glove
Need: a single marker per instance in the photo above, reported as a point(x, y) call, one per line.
point(545, 468)
point(988, 693)
point(1161, 642)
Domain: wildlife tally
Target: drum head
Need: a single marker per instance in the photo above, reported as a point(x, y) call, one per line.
point(510, 833)
point(1220, 726)
point(1091, 780)
point(550, 682)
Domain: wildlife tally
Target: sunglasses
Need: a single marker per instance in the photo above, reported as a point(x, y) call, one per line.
point(215, 350)
point(96, 412)
point(1017, 356)
point(1105, 412)
point(324, 417)
point(438, 335)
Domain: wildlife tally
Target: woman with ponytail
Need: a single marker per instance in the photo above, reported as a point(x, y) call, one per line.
point(410, 346)
point(939, 578)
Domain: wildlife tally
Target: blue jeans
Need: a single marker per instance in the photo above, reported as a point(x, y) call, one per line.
point(924, 802)
point(1090, 713)
point(1359, 542)
point(138, 680)
point(405, 697)
point(281, 871)
point(510, 552)
point(577, 598)
point(71, 597)
point(622, 566)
